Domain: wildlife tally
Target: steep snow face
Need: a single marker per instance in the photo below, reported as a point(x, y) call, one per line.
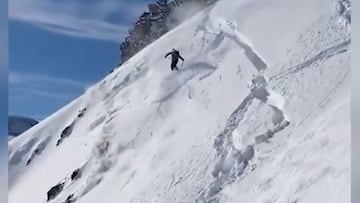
point(258, 112)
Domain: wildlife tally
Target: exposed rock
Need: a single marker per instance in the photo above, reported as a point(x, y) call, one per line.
point(152, 24)
point(76, 174)
point(55, 191)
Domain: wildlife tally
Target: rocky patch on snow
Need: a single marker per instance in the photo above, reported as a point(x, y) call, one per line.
point(38, 150)
point(68, 129)
point(55, 191)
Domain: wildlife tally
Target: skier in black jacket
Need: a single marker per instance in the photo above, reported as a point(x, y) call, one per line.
point(175, 55)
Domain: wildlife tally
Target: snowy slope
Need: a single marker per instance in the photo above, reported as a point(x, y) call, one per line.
point(258, 112)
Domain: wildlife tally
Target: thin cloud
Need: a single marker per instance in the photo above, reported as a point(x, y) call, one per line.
point(96, 20)
point(28, 93)
point(25, 86)
point(31, 79)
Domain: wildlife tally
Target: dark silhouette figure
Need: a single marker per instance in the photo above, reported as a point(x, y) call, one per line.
point(175, 55)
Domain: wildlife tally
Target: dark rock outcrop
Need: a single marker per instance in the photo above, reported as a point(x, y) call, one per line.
point(81, 113)
point(152, 24)
point(55, 191)
point(70, 199)
point(76, 174)
point(65, 133)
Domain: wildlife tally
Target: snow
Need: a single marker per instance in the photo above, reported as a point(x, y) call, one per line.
point(258, 112)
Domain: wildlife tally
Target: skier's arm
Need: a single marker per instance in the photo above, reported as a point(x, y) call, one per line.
point(167, 54)
point(181, 57)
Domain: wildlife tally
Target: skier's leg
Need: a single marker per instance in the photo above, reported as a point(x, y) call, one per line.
point(175, 65)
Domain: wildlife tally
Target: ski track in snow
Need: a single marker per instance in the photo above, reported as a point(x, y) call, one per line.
point(323, 55)
point(174, 82)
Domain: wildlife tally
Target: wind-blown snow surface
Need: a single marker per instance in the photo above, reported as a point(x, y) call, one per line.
point(258, 112)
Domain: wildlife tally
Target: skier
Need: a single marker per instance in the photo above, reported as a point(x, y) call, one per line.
point(175, 55)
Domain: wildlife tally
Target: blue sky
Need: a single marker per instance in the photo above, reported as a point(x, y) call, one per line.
point(58, 48)
point(3, 82)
